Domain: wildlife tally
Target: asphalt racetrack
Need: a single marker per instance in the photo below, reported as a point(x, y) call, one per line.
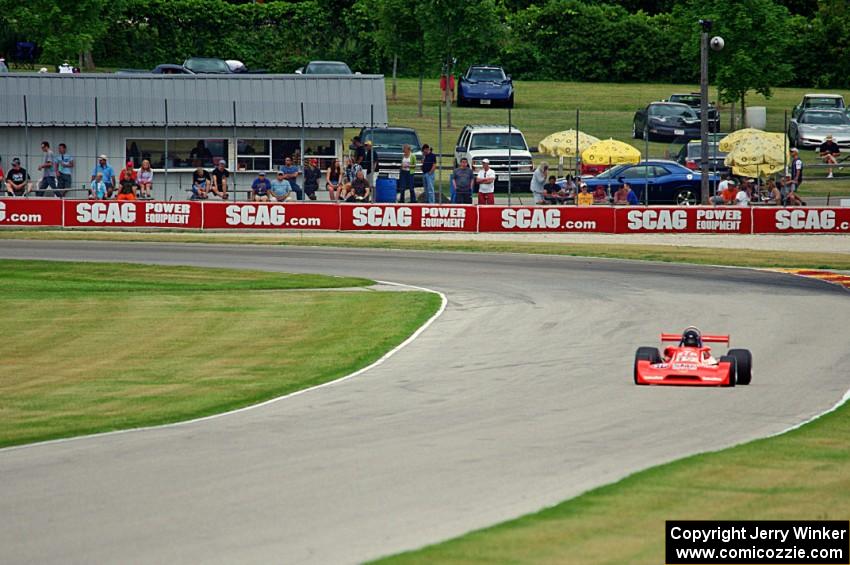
point(519, 396)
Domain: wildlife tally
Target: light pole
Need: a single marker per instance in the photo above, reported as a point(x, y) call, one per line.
point(717, 44)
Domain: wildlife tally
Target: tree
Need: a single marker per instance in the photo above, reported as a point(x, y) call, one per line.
point(754, 57)
point(399, 34)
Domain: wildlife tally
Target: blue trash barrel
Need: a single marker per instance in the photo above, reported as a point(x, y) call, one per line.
point(386, 190)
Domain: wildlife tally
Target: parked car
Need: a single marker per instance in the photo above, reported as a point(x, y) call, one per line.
point(694, 100)
point(690, 156)
point(485, 86)
point(664, 182)
point(207, 66)
point(810, 128)
point(324, 68)
point(387, 143)
point(666, 120)
point(171, 70)
point(478, 142)
point(819, 101)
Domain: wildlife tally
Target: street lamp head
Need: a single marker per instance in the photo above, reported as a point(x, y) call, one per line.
point(706, 25)
point(717, 43)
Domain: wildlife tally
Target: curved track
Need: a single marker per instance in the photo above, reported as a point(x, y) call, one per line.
point(517, 397)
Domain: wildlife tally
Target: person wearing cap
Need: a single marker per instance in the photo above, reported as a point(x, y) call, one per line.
point(97, 188)
point(486, 181)
point(201, 181)
point(718, 199)
point(48, 171)
point(796, 170)
point(18, 180)
point(290, 172)
point(220, 179)
point(260, 188)
point(730, 191)
point(584, 198)
point(103, 166)
point(279, 188)
point(144, 180)
point(429, 167)
point(829, 152)
point(312, 174)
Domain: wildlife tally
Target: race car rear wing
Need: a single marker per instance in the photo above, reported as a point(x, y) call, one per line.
point(706, 338)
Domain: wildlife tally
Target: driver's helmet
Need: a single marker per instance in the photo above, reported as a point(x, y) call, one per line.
point(692, 337)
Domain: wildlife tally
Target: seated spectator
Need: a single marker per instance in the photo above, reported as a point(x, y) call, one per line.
point(280, 189)
point(774, 196)
point(312, 174)
point(625, 196)
point(290, 173)
point(104, 167)
point(2, 174)
point(260, 188)
point(201, 181)
point(729, 193)
point(584, 198)
point(144, 180)
point(718, 199)
point(18, 181)
point(220, 179)
point(600, 195)
point(743, 197)
point(98, 189)
point(358, 191)
point(789, 192)
point(333, 179)
point(127, 186)
point(829, 152)
point(554, 193)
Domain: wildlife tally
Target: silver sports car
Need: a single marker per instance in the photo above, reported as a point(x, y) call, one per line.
point(810, 128)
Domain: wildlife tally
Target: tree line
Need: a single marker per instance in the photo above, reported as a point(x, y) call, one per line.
point(768, 42)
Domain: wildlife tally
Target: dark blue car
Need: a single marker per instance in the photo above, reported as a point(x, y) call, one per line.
point(485, 86)
point(667, 182)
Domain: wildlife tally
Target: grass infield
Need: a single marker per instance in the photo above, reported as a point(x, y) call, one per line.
point(92, 347)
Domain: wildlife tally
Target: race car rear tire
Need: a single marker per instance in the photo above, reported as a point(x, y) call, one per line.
point(743, 365)
point(733, 369)
point(650, 354)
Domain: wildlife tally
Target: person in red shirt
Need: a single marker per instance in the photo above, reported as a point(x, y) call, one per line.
point(451, 85)
point(127, 184)
point(729, 193)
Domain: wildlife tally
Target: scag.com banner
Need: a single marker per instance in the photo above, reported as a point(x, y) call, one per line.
point(265, 215)
point(684, 220)
point(133, 214)
point(392, 217)
point(801, 220)
point(545, 219)
point(17, 212)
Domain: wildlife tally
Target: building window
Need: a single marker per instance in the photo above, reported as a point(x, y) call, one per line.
point(253, 155)
point(182, 153)
point(268, 154)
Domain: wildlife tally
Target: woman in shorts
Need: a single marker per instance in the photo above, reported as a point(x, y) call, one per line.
point(145, 179)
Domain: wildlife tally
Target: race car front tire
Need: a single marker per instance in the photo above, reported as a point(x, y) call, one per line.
point(743, 365)
point(733, 369)
point(650, 354)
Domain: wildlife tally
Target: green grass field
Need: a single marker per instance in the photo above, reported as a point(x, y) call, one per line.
point(95, 347)
point(606, 110)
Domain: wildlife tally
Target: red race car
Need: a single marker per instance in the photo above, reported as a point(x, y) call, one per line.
point(691, 363)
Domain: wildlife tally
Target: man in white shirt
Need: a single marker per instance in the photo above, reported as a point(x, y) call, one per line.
point(486, 181)
point(538, 180)
point(743, 196)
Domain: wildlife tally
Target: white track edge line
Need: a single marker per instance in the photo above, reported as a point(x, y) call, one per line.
point(443, 303)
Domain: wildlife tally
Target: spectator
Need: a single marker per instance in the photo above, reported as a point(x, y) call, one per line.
point(553, 193)
point(351, 169)
point(370, 162)
point(201, 181)
point(127, 174)
point(429, 167)
point(103, 166)
point(18, 180)
point(486, 181)
point(312, 174)
point(729, 193)
point(450, 83)
point(333, 179)
point(625, 196)
point(290, 173)
point(789, 195)
point(144, 180)
point(538, 180)
point(359, 190)
point(220, 179)
point(743, 197)
point(3, 67)
point(462, 181)
point(359, 151)
point(127, 183)
point(98, 189)
point(48, 171)
point(584, 198)
point(718, 199)
point(405, 174)
point(280, 189)
point(200, 155)
point(600, 196)
point(64, 170)
point(829, 152)
point(796, 170)
point(261, 187)
point(774, 196)
point(2, 174)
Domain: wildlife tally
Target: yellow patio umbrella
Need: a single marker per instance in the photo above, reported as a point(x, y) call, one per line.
point(758, 155)
point(563, 143)
point(728, 142)
point(610, 152)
